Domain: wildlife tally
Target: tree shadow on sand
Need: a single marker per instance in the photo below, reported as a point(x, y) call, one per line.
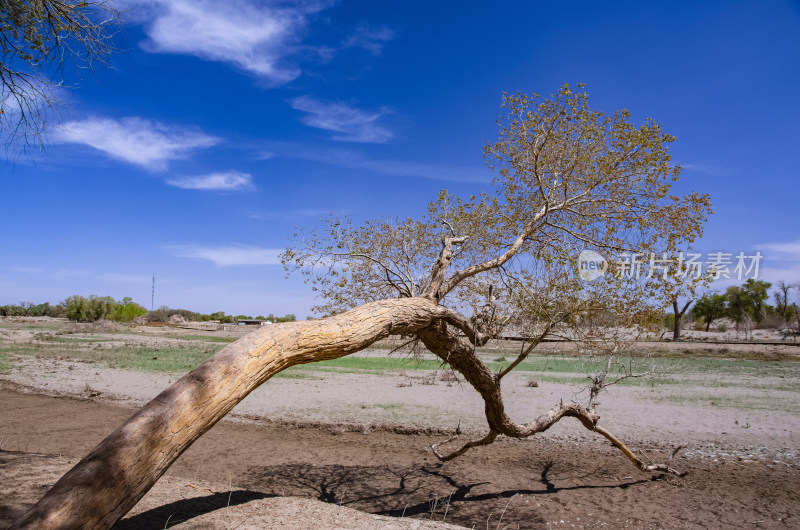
point(424, 491)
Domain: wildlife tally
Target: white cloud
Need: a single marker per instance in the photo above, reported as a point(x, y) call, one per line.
point(781, 261)
point(783, 251)
point(229, 255)
point(249, 35)
point(353, 125)
point(145, 143)
point(226, 181)
point(370, 38)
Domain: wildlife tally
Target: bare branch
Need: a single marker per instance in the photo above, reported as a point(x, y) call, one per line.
point(37, 41)
point(529, 348)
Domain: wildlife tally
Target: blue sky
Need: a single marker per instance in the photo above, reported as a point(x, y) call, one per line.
point(223, 125)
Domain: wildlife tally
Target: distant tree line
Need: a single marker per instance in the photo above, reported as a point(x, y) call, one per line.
point(748, 307)
point(164, 313)
point(82, 309)
point(29, 309)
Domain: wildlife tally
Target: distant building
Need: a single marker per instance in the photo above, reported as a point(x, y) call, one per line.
point(252, 322)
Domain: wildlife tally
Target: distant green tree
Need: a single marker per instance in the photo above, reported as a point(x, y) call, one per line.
point(221, 317)
point(81, 309)
point(126, 310)
point(77, 308)
point(747, 303)
point(12, 311)
point(39, 310)
point(33, 310)
point(57, 311)
point(100, 307)
point(710, 307)
point(756, 295)
point(737, 305)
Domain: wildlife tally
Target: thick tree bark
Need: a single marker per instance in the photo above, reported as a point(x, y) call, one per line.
point(108, 482)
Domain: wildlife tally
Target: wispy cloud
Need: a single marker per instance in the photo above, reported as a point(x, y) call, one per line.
point(785, 251)
point(145, 143)
point(247, 34)
point(224, 181)
point(58, 274)
point(369, 37)
point(229, 255)
point(781, 261)
point(708, 169)
point(351, 124)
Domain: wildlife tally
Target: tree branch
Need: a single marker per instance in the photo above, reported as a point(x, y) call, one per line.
point(462, 358)
point(433, 289)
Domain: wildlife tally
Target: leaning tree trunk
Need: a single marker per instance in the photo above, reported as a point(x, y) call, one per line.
point(107, 483)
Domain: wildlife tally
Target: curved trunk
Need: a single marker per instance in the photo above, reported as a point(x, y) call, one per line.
point(107, 483)
point(462, 358)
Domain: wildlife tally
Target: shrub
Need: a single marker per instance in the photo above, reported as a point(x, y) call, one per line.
point(126, 310)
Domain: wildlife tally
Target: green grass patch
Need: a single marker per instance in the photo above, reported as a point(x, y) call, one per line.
point(71, 340)
point(155, 359)
point(176, 359)
point(188, 353)
point(374, 364)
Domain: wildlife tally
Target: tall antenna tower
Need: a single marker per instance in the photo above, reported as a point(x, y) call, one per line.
point(153, 292)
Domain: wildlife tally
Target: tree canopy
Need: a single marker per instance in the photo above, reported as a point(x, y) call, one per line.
point(567, 179)
point(38, 39)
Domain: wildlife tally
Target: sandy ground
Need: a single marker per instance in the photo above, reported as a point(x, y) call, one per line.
point(277, 476)
point(351, 401)
point(335, 450)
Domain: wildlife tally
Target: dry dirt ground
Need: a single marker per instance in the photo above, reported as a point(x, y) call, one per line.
point(336, 450)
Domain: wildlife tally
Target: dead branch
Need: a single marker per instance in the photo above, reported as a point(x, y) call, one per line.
point(486, 440)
